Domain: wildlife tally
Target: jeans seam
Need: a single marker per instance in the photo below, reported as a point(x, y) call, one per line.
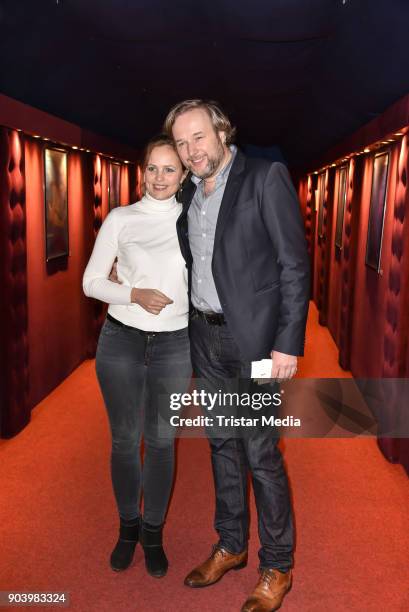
point(243, 501)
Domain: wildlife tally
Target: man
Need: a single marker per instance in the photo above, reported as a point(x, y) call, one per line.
point(242, 237)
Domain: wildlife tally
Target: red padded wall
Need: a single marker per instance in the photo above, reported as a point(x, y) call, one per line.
point(335, 266)
point(368, 312)
point(317, 250)
point(322, 257)
point(14, 371)
point(306, 196)
point(47, 325)
point(98, 307)
point(128, 187)
point(60, 316)
point(371, 288)
point(395, 336)
point(125, 196)
point(404, 444)
point(349, 254)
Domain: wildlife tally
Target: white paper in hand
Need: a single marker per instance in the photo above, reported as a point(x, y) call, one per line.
point(262, 368)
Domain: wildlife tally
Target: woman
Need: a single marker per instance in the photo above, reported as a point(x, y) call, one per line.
point(143, 350)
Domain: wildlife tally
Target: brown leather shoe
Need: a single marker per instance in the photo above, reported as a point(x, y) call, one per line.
point(214, 568)
point(269, 592)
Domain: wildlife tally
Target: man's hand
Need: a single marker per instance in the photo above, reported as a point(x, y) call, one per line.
point(113, 275)
point(152, 300)
point(284, 366)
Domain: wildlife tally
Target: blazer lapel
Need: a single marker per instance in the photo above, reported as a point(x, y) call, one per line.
point(231, 190)
point(188, 189)
point(187, 192)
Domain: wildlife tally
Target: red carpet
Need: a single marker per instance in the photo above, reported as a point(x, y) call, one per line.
point(58, 522)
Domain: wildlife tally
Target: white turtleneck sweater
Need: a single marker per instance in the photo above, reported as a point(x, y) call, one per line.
point(143, 237)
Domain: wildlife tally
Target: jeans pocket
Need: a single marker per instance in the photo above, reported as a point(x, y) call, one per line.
point(110, 329)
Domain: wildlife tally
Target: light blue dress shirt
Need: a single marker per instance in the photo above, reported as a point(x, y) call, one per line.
point(202, 219)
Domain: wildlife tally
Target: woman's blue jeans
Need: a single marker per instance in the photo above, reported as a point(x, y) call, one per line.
point(137, 371)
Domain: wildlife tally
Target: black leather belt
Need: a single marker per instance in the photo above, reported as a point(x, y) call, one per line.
point(212, 318)
point(135, 329)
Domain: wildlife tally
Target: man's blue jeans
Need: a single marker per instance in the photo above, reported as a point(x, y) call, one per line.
point(218, 366)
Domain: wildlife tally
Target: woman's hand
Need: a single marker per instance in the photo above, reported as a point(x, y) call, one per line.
point(151, 300)
point(113, 275)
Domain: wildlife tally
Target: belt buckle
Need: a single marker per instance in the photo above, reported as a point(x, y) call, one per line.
point(213, 318)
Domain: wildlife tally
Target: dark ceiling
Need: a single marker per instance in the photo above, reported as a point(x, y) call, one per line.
point(300, 74)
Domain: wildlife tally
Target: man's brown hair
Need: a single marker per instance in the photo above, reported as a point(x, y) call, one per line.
point(218, 117)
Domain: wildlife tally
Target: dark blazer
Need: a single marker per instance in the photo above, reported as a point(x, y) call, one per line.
point(260, 262)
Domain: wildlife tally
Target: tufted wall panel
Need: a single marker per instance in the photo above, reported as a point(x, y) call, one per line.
point(14, 372)
point(325, 248)
point(125, 197)
point(99, 308)
point(138, 188)
point(97, 193)
point(348, 260)
point(404, 443)
point(316, 242)
point(395, 341)
point(306, 196)
point(133, 183)
point(334, 277)
point(395, 331)
point(309, 223)
point(309, 204)
point(59, 315)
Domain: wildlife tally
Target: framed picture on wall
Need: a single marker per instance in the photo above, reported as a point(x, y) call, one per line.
point(114, 185)
point(321, 200)
point(56, 203)
point(377, 210)
point(342, 198)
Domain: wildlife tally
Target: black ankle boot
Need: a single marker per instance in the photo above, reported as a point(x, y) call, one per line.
point(155, 558)
point(123, 552)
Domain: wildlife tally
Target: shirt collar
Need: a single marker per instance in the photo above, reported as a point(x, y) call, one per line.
point(224, 173)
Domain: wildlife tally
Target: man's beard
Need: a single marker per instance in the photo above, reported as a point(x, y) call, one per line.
point(213, 163)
